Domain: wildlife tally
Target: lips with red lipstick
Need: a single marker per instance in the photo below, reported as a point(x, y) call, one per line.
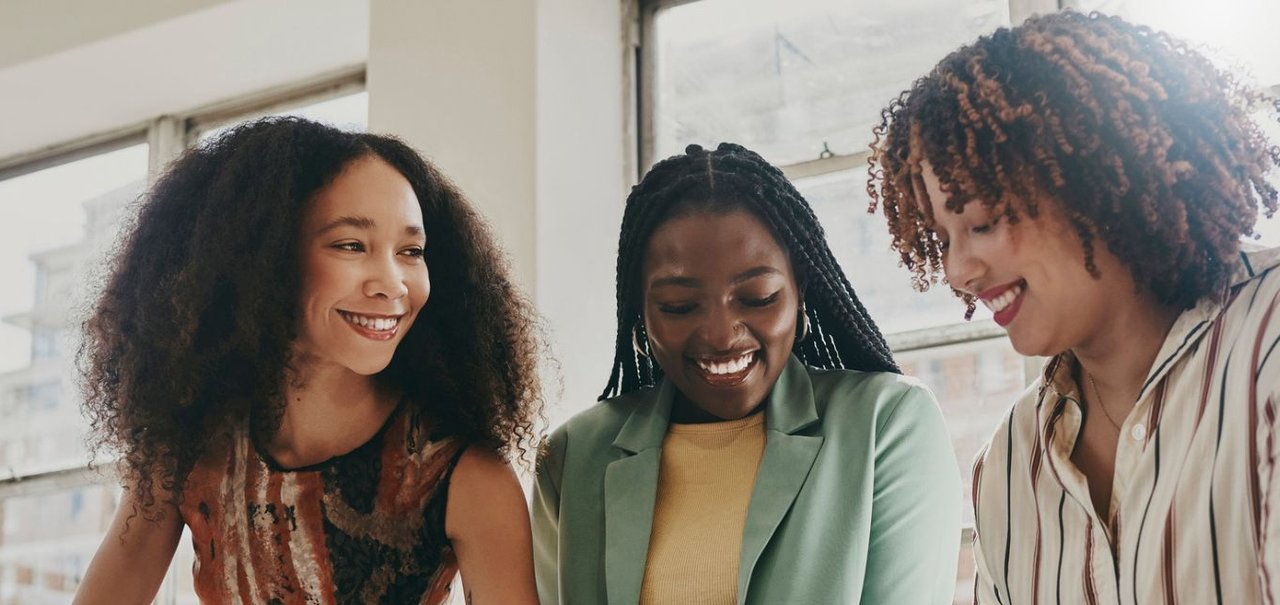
point(1004, 301)
point(373, 326)
point(726, 370)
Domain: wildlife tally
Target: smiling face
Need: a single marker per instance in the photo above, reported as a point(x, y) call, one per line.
point(1030, 274)
point(364, 278)
point(720, 308)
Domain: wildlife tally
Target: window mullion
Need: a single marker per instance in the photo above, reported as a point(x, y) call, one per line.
point(166, 138)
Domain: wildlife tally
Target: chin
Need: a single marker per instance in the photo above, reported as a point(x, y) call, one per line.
point(368, 369)
point(1029, 347)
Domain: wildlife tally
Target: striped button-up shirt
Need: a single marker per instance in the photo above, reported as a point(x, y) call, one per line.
point(1195, 494)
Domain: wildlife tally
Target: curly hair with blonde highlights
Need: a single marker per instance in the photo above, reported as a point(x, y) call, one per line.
point(1139, 140)
point(192, 335)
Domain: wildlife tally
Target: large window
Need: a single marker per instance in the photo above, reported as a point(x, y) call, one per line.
point(790, 79)
point(64, 213)
point(803, 83)
point(62, 220)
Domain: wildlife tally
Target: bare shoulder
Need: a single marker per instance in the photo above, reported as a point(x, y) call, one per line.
point(483, 490)
point(481, 465)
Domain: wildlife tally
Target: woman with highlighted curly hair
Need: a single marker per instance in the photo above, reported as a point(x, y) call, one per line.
point(1091, 181)
point(278, 374)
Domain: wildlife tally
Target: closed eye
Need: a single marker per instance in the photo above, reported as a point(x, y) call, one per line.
point(349, 246)
point(762, 302)
point(414, 252)
point(676, 309)
point(986, 227)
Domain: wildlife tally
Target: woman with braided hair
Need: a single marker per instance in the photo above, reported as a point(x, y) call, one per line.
point(1090, 181)
point(756, 442)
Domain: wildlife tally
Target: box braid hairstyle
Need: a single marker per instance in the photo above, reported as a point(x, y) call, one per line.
point(732, 177)
point(1139, 140)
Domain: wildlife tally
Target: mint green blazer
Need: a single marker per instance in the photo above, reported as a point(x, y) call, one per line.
point(857, 498)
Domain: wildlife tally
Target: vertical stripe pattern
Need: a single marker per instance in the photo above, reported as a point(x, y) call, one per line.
point(1195, 471)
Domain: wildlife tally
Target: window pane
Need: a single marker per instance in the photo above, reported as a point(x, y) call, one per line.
point(65, 218)
point(47, 541)
point(1269, 229)
point(784, 78)
point(51, 264)
point(965, 571)
point(976, 383)
point(861, 244)
point(349, 112)
point(1238, 34)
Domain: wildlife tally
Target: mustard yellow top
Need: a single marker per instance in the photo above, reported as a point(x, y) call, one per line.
point(704, 486)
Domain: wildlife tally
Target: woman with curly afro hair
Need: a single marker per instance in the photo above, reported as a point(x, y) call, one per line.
point(1090, 181)
point(278, 374)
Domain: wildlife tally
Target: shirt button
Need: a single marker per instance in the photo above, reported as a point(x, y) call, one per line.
point(1138, 432)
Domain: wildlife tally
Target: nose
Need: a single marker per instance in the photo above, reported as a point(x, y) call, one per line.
point(961, 266)
point(722, 328)
point(385, 278)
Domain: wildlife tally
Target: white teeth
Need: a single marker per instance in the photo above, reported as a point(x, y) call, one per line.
point(377, 324)
point(998, 303)
point(731, 366)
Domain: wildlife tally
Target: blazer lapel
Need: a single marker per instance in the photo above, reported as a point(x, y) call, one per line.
point(630, 487)
point(784, 466)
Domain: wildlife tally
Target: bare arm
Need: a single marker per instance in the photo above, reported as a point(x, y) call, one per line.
point(487, 520)
point(130, 565)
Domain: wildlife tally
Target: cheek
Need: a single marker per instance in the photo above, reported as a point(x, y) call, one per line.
point(321, 280)
point(665, 335)
point(778, 326)
point(420, 288)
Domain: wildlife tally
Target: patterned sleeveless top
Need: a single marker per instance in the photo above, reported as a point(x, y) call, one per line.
point(363, 527)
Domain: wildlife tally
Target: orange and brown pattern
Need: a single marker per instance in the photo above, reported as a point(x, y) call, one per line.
point(364, 527)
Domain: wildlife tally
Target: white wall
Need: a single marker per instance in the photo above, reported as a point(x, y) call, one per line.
point(582, 184)
point(522, 105)
point(456, 79)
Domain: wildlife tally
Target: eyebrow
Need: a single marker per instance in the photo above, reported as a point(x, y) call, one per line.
point(689, 282)
point(362, 222)
point(751, 274)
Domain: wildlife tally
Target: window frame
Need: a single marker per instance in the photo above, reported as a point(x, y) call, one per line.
point(167, 136)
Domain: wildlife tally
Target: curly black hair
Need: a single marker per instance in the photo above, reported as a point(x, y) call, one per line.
point(733, 177)
point(1138, 139)
point(193, 331)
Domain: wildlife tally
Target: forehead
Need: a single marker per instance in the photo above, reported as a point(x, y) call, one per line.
point(371, 188)
point(712, 246)
point(932, 201)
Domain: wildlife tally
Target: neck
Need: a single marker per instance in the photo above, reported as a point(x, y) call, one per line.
point(684, 411)
point(1119, 358)
point(327, 396)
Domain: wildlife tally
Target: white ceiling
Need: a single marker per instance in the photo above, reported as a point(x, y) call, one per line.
point(166, 66)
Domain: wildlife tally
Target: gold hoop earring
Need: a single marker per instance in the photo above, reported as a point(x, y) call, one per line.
point(635, 341)
point(804, 323)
